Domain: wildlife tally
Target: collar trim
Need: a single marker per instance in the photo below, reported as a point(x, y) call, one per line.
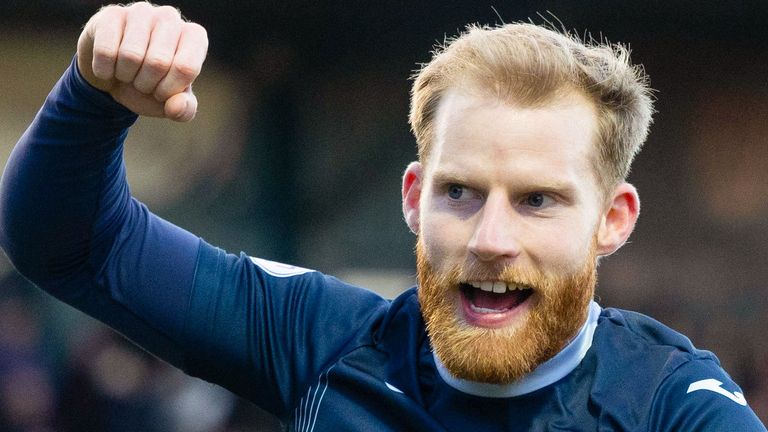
point(545, 374)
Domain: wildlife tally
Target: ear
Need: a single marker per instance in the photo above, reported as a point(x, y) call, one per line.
point(412, 195)
point(619, 219)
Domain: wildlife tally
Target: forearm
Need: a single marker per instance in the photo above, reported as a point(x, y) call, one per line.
point(53, 185)
point(68, 223)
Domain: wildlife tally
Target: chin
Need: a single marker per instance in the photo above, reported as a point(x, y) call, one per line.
point(499, 337)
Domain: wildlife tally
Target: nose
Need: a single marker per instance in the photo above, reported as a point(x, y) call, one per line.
point(495, 235)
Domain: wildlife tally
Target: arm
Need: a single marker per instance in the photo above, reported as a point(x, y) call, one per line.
point(67, 220)
point(68, 223)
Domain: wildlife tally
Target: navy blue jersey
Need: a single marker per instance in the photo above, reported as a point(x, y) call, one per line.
point(320, 354)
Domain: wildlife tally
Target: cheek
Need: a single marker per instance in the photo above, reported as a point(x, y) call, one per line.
point(444, 239)
point(564, 244)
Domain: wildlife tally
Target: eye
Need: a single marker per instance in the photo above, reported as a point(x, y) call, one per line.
point(536, 199)
point(455, 191)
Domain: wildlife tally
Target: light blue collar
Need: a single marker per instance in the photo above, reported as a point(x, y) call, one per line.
point(545, 374)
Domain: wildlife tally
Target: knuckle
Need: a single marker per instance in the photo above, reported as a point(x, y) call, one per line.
point(168, 12)
point(109, 14)
point(157, 63)
point(104, 54)
point(130, 55)
point(103, 71)
point(161, 94)
point(196, 29)
point(186, 70)
point(140, 6)
point(144, 87)
point(111, 9)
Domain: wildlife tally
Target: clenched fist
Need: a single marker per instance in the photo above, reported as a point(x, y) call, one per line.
point(146, 57)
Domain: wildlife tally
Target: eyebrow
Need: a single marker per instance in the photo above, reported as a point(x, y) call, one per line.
point(554, 186)
point(442, 177)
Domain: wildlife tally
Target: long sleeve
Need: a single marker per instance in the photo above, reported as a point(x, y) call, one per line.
point(69, 224)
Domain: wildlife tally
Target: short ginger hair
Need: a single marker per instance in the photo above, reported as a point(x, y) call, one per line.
point(532, 66)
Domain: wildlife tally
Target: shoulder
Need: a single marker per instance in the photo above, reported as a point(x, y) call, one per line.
point(646, 329)
point(699, 395)
point(403, 317)
point(678, 386)
point(632, 335)
point(401, 331)
point(629, 347)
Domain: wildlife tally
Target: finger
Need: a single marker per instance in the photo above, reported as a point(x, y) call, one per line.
point(182, 106)
point(107, 31)
point(139, 21)
point(140, 104)
point(162, 48)
point(187, 63)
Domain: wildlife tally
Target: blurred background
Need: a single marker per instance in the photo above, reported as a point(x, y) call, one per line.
point(296, 156)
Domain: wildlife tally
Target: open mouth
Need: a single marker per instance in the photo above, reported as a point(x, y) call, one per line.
point(492, 303)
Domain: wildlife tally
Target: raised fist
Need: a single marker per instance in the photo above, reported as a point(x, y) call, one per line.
point(145, 56)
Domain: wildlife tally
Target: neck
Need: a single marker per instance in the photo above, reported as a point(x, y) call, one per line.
point(545, 374)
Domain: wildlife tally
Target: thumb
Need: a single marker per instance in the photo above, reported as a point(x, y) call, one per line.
point(181, 107)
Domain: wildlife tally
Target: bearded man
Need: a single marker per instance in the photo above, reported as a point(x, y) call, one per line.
point(525, 140)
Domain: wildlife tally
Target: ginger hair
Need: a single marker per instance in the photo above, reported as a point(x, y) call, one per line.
point(532, 66)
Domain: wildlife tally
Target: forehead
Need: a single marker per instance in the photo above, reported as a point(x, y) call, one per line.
point(483, 133)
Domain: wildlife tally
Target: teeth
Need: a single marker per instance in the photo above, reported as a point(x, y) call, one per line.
point(495, 286)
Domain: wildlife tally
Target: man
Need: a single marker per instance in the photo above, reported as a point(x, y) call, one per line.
point(525, 140)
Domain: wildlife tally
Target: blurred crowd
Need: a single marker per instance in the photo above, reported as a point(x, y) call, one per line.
point(90, 379)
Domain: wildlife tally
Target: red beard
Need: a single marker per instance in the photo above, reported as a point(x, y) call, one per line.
point(503, 355)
